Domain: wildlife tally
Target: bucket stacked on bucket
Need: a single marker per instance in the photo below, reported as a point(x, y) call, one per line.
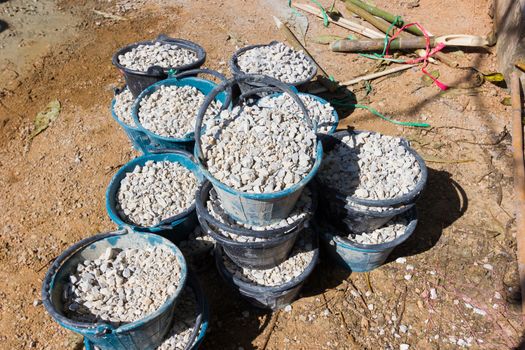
point(370, 183)
point(259, 160)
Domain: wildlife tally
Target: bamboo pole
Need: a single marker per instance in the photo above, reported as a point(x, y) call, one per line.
point(519, 180)
point(379, 23)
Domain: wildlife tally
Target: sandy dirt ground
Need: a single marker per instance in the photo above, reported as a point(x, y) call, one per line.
point(53, 188)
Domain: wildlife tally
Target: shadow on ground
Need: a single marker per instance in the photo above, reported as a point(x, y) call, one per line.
point(3, 24)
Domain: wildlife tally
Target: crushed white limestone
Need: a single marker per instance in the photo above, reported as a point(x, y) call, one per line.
point(155, 192)
point(386, 233)
point(123, 106)
point(159, 54)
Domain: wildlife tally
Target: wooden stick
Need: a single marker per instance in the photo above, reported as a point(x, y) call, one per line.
point(379, 23)
point(519, 180)
point(292, 39)
point(367, 77)
point(342, 22)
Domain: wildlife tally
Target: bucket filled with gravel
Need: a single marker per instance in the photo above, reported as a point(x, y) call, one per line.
point(166, 111)
point(275, 60)
point(190, 321)
point(156, 193)
point(275, 287)
point(259, 159)
point(147, 62)
point(121, 107)
point(117, 289)
point(368, 178)
point(252, 246)
point(366, 251)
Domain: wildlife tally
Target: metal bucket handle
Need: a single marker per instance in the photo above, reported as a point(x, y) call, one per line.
point(270, 82)
point(46, 295)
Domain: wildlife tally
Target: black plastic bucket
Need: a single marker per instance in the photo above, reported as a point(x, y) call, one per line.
point(262, 254)
point(268, 297)
point(247, 86)
point(137, 81)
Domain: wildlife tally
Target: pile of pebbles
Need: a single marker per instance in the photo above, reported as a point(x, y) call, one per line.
point(322, 113)
point(143, 56)
point(170, 111)
point(301, 210)
point(123, 106)
point(155, 192)
point(121, 286)
point(386, 233)
point(278, 61)
point(258, 150)
point(300, 257)
point(370, 166)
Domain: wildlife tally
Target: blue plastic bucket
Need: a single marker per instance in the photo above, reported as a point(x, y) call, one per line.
point(201, 322)
point(146, 333)
point(256, 208)
point(138, 138)
point(182, 79)
point(358, 257)
point(176, 228)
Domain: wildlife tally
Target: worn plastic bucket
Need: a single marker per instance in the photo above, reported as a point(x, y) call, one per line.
point(201, 322)
point(259, 254)
point(176, 228)
point(146, 333)
point(255, 208)
point(267, 297)
point(138, 138)
point(187, 78)
point(249, 85)
point(335, 115)
point(137, 81)
point(358, 257)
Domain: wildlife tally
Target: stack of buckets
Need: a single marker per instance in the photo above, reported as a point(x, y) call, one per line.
point(355, 215)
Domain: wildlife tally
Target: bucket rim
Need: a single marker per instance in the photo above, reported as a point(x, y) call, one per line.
point(118, 91)
point(404, 199)
point(105, 328)
point(173, 156)
point(238, 283)
point(236, 70)
point(186, 44)
point(187, 81)
point(344, 242)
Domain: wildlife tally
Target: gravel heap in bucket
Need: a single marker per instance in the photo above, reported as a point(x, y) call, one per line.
point(322, 113)
point(259, 150)
point(278, 61)
point(170, 111)
point(196, 242)
point(155, 192)
point(123, 105)
point(300, 257)
point(302, 208)
point(390, 231)
point(370, 166)
point(144, 56)
point(121, 286)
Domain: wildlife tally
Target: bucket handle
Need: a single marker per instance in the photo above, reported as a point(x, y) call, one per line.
point(254, 78)
point(171, 151)
point(46, 284)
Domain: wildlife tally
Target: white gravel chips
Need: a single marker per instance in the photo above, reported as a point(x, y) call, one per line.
point(370, 166)
point(259, 150)
point(155, 192)
point(123, 105)
point(278, 61)
point(170, 111)
point(142, 57)
point(386, 233)
point(121, 286)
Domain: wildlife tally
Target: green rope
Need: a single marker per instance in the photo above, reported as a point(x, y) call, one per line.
point(323, 11)
point(381, 56)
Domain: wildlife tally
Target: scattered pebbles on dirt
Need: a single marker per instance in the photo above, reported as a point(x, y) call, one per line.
point(278, 61)
point(370, 166)
point(144, 56)
point(321, 113)
point(155, 192)
point(121, 286)
point(300, 257)
point(123, 105)
point(386, 233)
point(170, 111)
point(258, 150)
